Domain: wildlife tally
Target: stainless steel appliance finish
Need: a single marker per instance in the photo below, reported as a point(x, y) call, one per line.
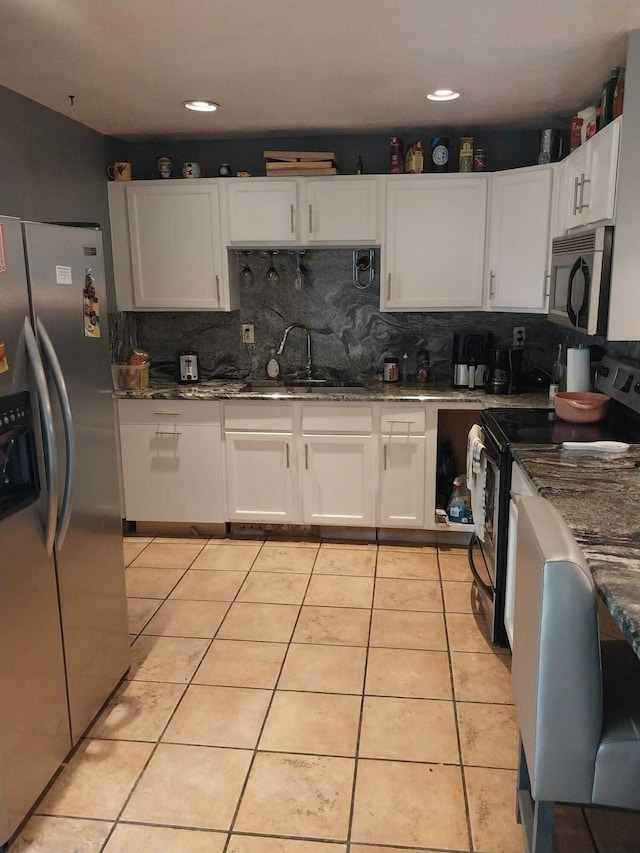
point(188, 370)
point(469, 358)
point(580, 280)
point(63, 606)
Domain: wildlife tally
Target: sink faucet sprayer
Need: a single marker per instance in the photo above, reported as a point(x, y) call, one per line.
point(309, 367)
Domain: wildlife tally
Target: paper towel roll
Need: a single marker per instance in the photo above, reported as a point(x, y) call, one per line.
point(578, 373)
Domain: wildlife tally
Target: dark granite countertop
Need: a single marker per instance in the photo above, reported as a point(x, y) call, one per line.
point(598, 495)
point(232, 389)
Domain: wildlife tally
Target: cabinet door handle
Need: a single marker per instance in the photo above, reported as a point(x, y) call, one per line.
point(293, 230)
point(547, 284)
point(306, 456)
point(287, 453)
point(582, 183)
point(389, 287)
point(492, 281)
point(166, 432)
point(310, 219)
point(384, 454)
point(575, 195)
point(218, 289)
point(173, 414)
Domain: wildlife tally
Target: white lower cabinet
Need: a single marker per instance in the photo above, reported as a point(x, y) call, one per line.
point(337, 480)
point(402, 481)
point(261, 477)
point(171, 460)
point(401, 487)
point(343, 464)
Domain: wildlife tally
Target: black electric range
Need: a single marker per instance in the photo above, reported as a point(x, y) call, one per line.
point(541, 426)
point(502, 428)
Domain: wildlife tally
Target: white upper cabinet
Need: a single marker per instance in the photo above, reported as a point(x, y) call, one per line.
point(589, 180)
point(167, 247)
point(303, 211)
point(519, 229)
point(342, 211)
point(433, 256)
point(262, 210)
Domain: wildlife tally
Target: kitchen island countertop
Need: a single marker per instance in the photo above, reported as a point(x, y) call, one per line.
point(231, 389)
point(598, 495)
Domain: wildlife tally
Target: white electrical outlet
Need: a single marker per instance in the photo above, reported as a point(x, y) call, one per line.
point(518, 336)
point(248, 333)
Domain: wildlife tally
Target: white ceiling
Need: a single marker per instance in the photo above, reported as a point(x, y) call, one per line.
point(310, 66)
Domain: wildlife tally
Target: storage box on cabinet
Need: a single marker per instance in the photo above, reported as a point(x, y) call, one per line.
point(172, 467)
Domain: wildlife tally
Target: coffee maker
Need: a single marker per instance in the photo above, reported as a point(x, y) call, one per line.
point(470, 354)
point(503, 375)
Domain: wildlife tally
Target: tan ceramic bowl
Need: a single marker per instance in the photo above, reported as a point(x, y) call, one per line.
point(581, 407)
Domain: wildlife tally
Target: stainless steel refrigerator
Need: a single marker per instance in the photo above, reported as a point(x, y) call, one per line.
point(63, 629)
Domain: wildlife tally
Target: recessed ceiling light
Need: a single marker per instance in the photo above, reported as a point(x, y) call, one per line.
point(443, 95)
point(201, 106)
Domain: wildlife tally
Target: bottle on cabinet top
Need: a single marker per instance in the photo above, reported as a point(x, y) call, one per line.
point(606, 102)
point(618, 95)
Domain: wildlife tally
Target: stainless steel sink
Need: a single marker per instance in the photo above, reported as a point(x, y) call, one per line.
point(306, 386)
point(326, 386)
point(337, 389)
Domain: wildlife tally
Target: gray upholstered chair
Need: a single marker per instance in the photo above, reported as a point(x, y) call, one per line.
point(577, 700)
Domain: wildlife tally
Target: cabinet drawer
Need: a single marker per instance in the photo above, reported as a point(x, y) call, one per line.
point(267, 417)
point(169, 411)
point(341, 418)
point(401, 420)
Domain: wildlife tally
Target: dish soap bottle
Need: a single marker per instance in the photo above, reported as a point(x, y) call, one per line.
point(273, 367)
point(457, 510)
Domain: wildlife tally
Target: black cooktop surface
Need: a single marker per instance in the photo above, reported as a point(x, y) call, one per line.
point(541, 426)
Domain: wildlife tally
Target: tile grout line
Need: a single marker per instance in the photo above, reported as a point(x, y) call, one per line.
point(264, 721)
point(455, 714)
point(362, 701)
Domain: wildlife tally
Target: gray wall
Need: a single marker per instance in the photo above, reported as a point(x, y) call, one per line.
point(505, 150)
point(52, 169)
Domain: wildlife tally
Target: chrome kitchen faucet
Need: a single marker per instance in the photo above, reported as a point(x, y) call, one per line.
point(309, 367)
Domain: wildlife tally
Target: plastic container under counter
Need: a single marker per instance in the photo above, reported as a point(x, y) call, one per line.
point(130, 377)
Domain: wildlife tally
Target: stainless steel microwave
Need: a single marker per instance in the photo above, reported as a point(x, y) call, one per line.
point(580, 280)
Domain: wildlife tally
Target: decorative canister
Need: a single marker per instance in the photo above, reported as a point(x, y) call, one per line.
point(440, 154)
point(422, 366)
point(164, 167)
point(391, 369)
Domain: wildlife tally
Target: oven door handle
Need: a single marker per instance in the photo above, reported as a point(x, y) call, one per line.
point(48, 436)
point(481, 583)
point(69, 438)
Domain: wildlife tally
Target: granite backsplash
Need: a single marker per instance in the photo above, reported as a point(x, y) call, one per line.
point(350, 335)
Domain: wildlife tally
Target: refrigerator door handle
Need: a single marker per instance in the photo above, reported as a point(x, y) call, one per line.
point(69, 438)
point(48, 435)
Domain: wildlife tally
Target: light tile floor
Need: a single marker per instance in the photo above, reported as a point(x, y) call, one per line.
point(302, 698)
